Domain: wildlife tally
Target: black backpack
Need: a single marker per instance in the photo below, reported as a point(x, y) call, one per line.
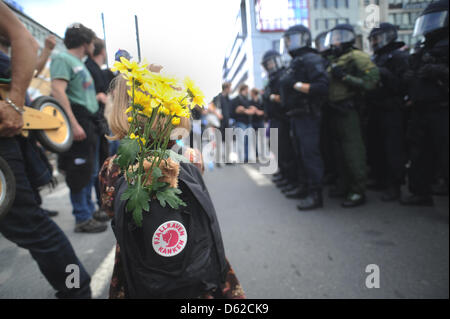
point(176, 253)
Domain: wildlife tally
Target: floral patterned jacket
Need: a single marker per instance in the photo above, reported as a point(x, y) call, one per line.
point(108, 175)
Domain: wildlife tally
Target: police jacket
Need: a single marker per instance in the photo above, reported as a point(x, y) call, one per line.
point(176, 253)
point(391, 90)
point(307, 67)
point(274, 110)
point(362, 76)
point(429, 86)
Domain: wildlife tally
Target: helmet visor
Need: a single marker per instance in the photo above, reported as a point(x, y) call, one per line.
point(296, 41)
point(272, 64)
point(338, 37)
point(320, 43)
point(430, 22)
point(380, 40)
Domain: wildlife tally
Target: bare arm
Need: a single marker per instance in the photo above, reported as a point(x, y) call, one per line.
point(59, 92)
point(50, 43)
point(23, 61)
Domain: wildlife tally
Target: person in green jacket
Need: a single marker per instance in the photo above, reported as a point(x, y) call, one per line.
point(352, 73)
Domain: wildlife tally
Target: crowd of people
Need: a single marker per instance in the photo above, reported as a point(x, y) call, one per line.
point(351, 120)
point(343, 118)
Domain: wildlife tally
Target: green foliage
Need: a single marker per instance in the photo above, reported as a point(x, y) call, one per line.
point(128, 151)
point(138, 201)
point(170, 196)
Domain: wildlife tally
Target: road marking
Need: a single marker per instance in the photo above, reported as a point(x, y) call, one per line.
point(257, 177)
point(102, 276)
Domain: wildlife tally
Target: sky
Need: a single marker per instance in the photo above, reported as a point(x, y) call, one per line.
point(187, 37)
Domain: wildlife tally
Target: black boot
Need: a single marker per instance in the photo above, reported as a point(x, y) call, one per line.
point(312, 201)
point(289, 188)
point(277, 178)
point(299, 193)
point(354, 200)
point(282, 183)
point(392, 194)
point(417, 200)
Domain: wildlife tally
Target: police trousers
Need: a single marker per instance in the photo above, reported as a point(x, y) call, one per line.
point(349, 150)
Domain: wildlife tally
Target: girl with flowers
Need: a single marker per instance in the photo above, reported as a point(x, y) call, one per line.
point(169, 242)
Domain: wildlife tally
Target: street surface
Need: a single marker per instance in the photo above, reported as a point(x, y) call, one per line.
point(277, 251)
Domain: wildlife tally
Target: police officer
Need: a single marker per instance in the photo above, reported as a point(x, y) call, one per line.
point(351, 72)
point(330, 174)
point(276, 113)
point(428, 91)
point(387, 153)
point(303, 87)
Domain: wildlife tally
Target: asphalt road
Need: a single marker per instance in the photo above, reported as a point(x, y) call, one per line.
point(277, 251)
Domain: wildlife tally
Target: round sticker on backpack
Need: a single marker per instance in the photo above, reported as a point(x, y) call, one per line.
point(169, 239)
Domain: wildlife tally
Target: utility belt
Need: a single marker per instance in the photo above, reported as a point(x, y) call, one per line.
point(302, 108)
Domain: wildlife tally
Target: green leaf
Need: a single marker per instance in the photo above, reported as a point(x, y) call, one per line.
point(138, 201)
point(127, 152)
point(170, 196)
point(176, 157)
point(157, 173)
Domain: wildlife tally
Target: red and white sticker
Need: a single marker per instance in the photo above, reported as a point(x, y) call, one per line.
point(169, 239)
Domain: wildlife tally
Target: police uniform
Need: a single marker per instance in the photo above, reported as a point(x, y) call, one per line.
point(276, 113)
point(351, 72)
point(428, 91)
point(304, 109)
point(386, 131)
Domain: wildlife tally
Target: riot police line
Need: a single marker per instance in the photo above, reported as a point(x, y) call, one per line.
point(356, 121)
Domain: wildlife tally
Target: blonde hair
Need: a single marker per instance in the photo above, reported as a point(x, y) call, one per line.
point(118, 120)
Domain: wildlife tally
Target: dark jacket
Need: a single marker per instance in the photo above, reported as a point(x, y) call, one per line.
point(308, 67)
point(78, 161)
point(430, 89)
point(392, 64)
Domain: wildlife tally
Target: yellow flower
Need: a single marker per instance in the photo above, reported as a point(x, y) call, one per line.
point(176, 121)
point(129, 110)
point(141, 98)
point(134, 137)
point(166, 80)
point(130, 119)
point(197, 96)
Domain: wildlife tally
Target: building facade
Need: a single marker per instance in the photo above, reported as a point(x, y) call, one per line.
point(259, 27)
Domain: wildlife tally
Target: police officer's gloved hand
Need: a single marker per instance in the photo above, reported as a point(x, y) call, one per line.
point(429, 71)
point(338, 72)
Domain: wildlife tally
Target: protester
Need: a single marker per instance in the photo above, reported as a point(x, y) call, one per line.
point(162, 272)
point(256, 100)
point(26, 224)
point(94, 64)
point(73, 87)
point(242, 112)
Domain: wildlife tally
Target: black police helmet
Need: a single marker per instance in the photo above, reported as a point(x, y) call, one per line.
point(433, 20)
point(272, 61)
point(296, 38)
point(382, 36)
point(341, 38)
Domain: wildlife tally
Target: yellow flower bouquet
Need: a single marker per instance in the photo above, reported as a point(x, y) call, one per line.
point(157, 104)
